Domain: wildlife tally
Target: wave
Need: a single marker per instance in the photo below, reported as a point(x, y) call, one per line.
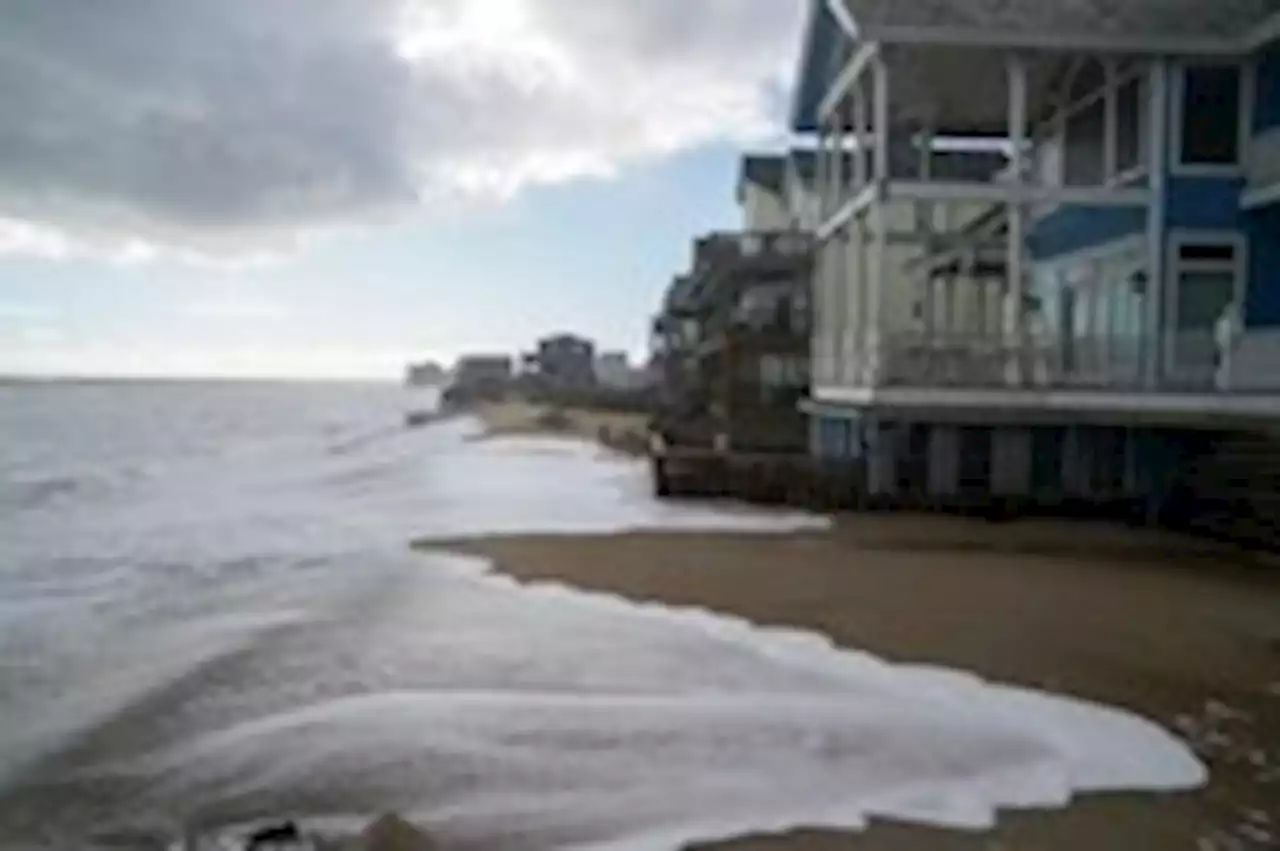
point(466, 702)
point(243, 635)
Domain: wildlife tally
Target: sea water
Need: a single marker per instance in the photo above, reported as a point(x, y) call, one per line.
point(209, 616)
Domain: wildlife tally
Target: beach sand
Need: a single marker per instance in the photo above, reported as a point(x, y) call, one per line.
point(625, 431)
point(1153, 623)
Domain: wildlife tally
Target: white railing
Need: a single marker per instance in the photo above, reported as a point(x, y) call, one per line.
point(967, 360)
point(1255, 362)
point(1194, 361)
point(1190, 362)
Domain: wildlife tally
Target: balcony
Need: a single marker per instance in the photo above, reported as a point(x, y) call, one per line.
point(749, 247)
point(1100, 374)
point(985, 361)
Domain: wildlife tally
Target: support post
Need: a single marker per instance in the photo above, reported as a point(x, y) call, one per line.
point(849, 307)
point(1153, 337)
point(878, 265)
point(880, 117)
point(818, 324)
point(858, 235)
point(1111, 123)
point(820, 176)
point(839, 179)
point(1017, 68)
point(924, 210)
point(829, 185)
point(972, 300)
point(860, 137)
point(925, 214)
point(838, 248)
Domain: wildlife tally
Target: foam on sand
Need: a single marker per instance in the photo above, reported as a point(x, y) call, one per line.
point(575, 720)
point(246, 639)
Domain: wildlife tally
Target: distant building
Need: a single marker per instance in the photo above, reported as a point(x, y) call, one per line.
point(565, 361)
point(614, 370)
point(483, 371)
point(425, 374)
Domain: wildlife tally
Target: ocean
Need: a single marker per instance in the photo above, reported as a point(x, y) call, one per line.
point(210, 617)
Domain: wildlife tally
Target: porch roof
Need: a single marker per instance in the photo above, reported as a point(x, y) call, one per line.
point(1146, 24)
point(945, 46)
point(768, 171)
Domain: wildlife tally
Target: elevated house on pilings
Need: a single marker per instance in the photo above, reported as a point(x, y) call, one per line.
point(1085, 321)
point(733, 341)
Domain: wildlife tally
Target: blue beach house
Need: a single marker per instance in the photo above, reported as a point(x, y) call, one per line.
point(1086, 316)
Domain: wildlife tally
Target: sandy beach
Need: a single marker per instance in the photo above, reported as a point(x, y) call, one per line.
point(1166, 627)
point(620, 431)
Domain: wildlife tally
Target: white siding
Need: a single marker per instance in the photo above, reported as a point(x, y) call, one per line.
point(804, 205)
point(763, 210)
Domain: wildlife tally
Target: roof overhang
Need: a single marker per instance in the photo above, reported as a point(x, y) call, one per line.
point(821, 58)
point(833, 33)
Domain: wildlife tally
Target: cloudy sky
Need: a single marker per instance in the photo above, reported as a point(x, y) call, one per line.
point(279, 187)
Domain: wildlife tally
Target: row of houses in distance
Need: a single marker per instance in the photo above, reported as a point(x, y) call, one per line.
point(559, 362)
point(1045, 240)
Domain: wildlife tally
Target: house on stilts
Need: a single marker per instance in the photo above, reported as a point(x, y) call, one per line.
point(1091, 319)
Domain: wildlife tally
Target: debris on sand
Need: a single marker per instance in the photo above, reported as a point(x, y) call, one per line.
point(1226, 736)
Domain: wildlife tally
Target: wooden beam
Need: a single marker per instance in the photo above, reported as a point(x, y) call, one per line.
point(849, 76)
point(852, 208)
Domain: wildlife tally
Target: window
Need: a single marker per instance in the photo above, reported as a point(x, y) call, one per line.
point(1130, 109)
point(1202, 298)
point(1211, 108)
point(1206, 276)
point(1085, 162)
point(1197, 252)
point(1098, 136)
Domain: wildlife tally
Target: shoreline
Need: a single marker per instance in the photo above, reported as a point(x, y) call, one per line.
point(1141, 621)
point(624, 433)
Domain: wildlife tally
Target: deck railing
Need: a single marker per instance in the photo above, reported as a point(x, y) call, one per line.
point(1190, 362)
point(966, 360)
point(1255, 362)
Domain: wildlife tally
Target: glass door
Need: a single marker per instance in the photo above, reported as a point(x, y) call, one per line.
point(1206, 278)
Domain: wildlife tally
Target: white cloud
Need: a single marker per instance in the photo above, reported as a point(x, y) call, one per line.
point(227, 127)
point(41, 335)
point(23, 312)
point(238, 308)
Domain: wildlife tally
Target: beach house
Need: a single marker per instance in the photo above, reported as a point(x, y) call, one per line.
point(564, 362)
point(731, 341)
point(1076, 319)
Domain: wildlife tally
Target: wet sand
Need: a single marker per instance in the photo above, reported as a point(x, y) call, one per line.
point(1175, 630)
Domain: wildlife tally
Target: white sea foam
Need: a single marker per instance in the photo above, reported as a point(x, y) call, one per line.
point(244, 636)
